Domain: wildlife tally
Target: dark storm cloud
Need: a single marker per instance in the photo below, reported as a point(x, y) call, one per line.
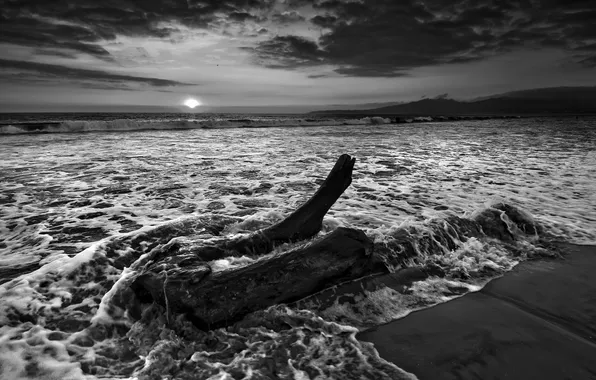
point(83, 24)
point(288, 52)
point(382, 38)
point(55, 53)
point(589, 61)
point(14, 70)
point(385, 38)
point(241, 16)
point(325, 21)
point(371, 70)
point(287, 17)
point(41, 34)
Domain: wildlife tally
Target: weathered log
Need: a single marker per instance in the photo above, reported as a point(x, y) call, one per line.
point(303, 223)
point(182, 279)
point(215, 299)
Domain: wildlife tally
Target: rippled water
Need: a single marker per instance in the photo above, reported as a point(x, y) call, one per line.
point(63, 194)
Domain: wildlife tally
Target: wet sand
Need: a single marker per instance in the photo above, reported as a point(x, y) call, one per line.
point(536, 322)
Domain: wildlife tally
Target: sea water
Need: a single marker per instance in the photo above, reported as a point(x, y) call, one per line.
point(84, 200)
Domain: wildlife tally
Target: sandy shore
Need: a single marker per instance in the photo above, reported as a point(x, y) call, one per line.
point(536, 322)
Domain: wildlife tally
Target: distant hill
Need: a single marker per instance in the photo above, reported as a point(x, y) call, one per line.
point(542, 101)
point(295, 109)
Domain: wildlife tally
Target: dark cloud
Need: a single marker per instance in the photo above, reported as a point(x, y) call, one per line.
point(241, 16)
point(14, 70)
point(287, 17)
point(42, 34)
point(386, 38)
point(371, 70)
point(318, 76)
point(83, 25)
point(591, 47)
point(287, 52)
point(326, 21)
point(55, 53)
point(589, 61)
point(346, 10)
point(383, 38)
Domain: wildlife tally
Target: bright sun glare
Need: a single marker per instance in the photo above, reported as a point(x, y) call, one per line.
point(192, 103)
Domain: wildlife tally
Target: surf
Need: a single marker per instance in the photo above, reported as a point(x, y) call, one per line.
point(128, 125)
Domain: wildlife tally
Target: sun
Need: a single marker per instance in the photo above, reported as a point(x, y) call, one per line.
point(191, 103)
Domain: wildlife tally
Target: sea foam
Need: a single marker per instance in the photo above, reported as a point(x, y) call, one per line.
point(85, 209)
point(126, 125)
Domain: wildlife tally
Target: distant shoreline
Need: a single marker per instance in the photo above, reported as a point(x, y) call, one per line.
point(407, 119)
point(363, 113)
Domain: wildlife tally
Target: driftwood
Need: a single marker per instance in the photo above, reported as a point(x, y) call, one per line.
point(219, 298)
point(181, 278)
point(302, 224)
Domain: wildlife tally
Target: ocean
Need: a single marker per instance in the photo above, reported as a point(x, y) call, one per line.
point(85, 198)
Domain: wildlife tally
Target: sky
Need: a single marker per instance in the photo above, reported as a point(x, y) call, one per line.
point(67, 55)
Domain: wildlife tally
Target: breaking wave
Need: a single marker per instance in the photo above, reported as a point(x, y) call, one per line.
point(81, 217)
point(77, 317)
point(126, 125)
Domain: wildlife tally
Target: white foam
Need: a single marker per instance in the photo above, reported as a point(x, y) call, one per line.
point(103, 315)
point(306, 345)
point(67, 197)
point(473, 257)
point(11, 129)
point(127, 125)
point(229, 263)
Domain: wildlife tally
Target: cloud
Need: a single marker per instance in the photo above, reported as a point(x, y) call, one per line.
point(287, 17)
point(83, 26)
point(385, 38)
point(12, 70)
point(241, 16)
point(47, 35)
point(287, 52)
point(587, 60)
point(55, 53)
point(371, 70)
point(326, 21)
point(372, 38)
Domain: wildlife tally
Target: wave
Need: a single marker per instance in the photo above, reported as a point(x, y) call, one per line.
point(127, 125)
point(78, 317)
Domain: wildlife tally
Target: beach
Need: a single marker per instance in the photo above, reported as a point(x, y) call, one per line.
point(536, 322)
point(306, 190)
point(82, 212)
